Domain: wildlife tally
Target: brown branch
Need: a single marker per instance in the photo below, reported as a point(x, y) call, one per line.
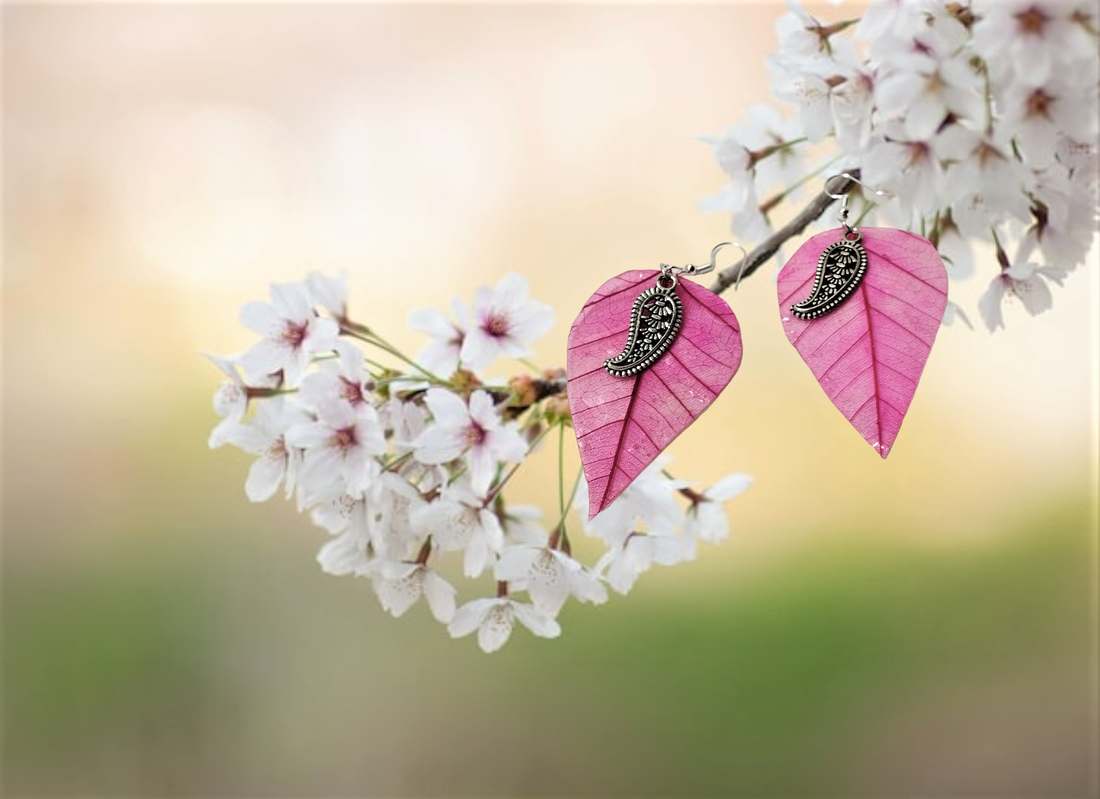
point(762, 254)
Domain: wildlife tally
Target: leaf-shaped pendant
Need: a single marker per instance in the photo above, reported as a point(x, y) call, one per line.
point(654, 322)
point(624, 422)
point(840, 269)
point(869, 351)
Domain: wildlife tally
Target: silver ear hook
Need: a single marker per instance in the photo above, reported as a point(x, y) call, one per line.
point(744, 259)
point(693, 269)
point(854, 179)
point(844, 197)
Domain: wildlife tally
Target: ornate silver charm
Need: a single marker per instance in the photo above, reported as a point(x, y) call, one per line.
point(654, 323)
point(840, 269)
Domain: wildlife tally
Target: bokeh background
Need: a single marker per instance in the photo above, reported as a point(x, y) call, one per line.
point(924, 626)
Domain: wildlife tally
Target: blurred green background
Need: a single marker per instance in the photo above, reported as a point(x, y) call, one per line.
point(924, 626)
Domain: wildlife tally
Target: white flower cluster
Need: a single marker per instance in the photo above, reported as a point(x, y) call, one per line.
point(979, 116)
point(405, 468)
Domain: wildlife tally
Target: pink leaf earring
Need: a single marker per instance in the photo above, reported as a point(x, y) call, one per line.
point(648, 353)
point(862, 307)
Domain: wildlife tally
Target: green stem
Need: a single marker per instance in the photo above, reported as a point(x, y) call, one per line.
point(515, 467)
point(385, 346)
point(565, 506)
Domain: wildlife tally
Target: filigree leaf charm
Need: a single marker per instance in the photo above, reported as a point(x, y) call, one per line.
point(868, 353)
point(624, 423)
point(654, 322)
point(840, 269)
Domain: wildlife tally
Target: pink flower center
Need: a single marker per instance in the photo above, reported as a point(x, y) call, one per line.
point(496, 325)
point(343, 439)
point(1038, 104)
point(294, 334)
point(1032, 20)
point(475, 435)
point(351, 391)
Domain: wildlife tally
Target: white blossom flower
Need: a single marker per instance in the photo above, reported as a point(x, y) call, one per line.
point(549, 576)
point(505, 322)
point(405, 420)
point(458, 521)
point(292, 334)
point(340, 449)
point(474, 432)
point(1038, 116)
point(344, 379)
point(649, 501)
point(494, 618)
point(776, 160)
point(925, 91)
point(230, 400)
point(1028, 38)
point(911, 170)
point(804, 40)
point(852, 104)
point(705, 519)
point(622, 565)
point(277, 462)
point(399, 585)
point(1023, 280)
point(888, 20)
point(331, 293)
point(346, 553)
point(441, 355)
point(984, 179)
point(340, 512)
point(393, 504)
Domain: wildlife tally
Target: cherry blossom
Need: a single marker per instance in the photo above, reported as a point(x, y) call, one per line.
point(339, 448)
point(277, 462)
point(330, 293)
point(494, 619)
point(459, 521)
point(400, 585)
point(705, 519)
point(292, 334)
point(441, 355)
point(505, 323)
point(549, 576)
point(1022, 279)
point(1029, 38)
point(474, 432)
point(230, 400)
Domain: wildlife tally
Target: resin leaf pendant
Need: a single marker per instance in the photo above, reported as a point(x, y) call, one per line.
point(642, 366)
point(868, 350)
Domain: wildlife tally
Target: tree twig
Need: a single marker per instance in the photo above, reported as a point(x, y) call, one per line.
point(761, 255)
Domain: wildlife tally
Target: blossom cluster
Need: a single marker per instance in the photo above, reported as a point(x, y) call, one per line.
point(979, 117)
point(404, 462)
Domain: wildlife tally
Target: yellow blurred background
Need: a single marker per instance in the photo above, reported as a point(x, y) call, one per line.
point(923, 626)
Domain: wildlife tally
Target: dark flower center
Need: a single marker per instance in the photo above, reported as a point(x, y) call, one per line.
point(344, 439)
point(294, 334)
point(496, 325)
point(1032, 20)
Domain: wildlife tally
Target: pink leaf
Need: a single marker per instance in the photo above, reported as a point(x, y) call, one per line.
point(624, 423)
point(868, 353)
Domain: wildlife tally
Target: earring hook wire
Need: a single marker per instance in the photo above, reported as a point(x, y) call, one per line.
point(694, 269)
point(854, 179)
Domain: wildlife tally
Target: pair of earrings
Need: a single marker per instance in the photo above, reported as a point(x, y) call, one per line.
point(861, 306)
